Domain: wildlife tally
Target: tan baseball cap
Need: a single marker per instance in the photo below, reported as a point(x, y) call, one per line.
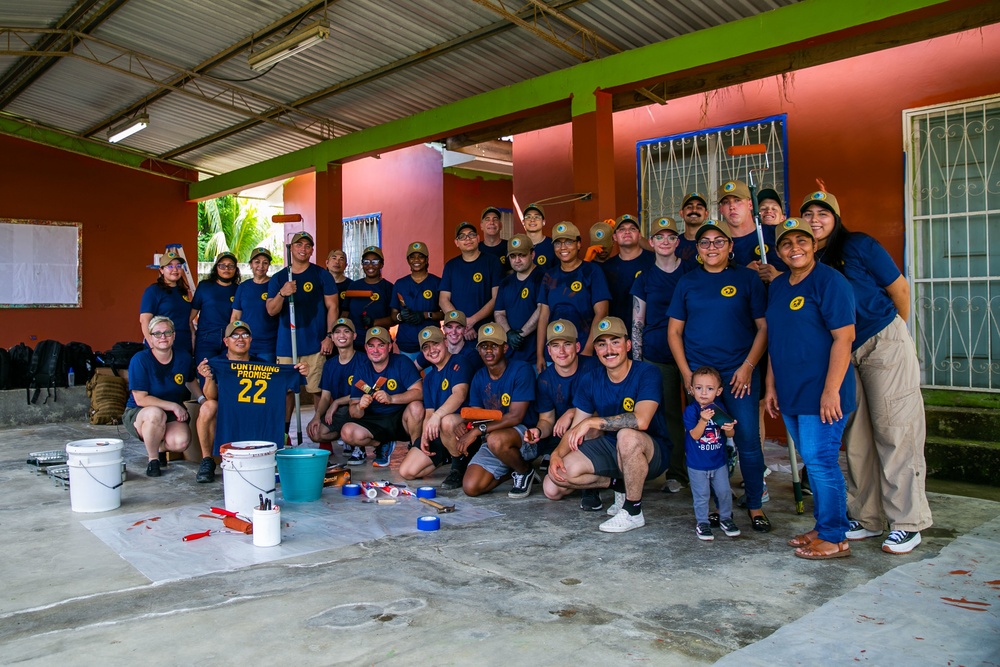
point(734, 189)
point(345, 322)
point(170, 256)
point(561, 330)
point(824, 199)
point(520, 244)
point(792, 225)
point(565, 230)
point(627, 218)
point(417, 247)
point(611, 326)
point(602, 234)
point(430, 335)
point(454, 316)
point(373, 250)
point(379, 332)
point(718, 225)
point(302, 236)
point(237, 324)
point(663, 225)
point(492, 333)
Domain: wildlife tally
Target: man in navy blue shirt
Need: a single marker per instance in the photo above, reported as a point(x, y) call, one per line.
point(492, 243)
point(470, 281)
point(534, 226)
point(374, 310)
point(331, 411)
point(694, 212)
point(517, 306)
point(623, 403)
point(622, 269)
point(736, 209)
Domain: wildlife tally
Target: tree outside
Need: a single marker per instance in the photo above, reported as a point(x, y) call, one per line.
point(238, 225)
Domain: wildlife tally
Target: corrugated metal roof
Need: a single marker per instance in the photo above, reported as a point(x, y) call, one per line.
point(383, 61)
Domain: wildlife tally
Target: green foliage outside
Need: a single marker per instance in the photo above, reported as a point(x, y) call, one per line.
point(237, 225)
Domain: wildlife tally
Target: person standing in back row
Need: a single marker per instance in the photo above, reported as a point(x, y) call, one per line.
point(415, 301)
point(493, 244)
point(534, 228)
point(250, 306)
point(622, 270)
point(169, 297)
point(212, 307)
point(470, 281)
point(374, 309)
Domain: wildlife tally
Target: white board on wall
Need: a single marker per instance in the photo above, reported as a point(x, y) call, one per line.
point(40, 264)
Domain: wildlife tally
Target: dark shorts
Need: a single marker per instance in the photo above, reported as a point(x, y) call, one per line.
point(603, 454)
point(384, 428)
point(340, 417)
point(439, 453)
point(128, 420)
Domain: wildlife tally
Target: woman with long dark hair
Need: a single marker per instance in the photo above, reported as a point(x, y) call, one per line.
point(168, 297)
point(212, 307)
point(885, 435)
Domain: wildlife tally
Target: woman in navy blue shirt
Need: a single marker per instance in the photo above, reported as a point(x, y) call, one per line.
point(717, 320)
point(810, 320)
point(212, 307)
point(168, 297)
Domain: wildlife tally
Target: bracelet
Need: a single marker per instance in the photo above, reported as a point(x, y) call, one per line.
point(747, 362)
point(201, 399)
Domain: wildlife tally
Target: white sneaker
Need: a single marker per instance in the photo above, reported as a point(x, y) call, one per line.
point(622, 523)
point(899, 541)
point(617, 505)
point(673, 486)
point(858, 532)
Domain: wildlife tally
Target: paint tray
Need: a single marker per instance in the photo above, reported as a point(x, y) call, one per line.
point(41, 460)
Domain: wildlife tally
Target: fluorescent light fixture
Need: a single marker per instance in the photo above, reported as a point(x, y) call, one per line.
point(128, 128)
point(291, 45)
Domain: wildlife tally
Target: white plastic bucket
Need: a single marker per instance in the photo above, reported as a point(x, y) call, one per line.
point(267, 527)
point(95, 474)
point(247, 474)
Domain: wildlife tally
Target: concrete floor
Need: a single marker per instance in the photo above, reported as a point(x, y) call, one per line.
point(539, 585)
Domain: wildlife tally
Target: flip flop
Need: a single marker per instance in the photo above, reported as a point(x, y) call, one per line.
point(812, 551)
point(804, 540)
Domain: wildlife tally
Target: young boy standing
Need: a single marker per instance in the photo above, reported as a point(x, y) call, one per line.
point(705, 452)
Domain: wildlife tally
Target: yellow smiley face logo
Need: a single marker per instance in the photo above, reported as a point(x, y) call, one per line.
point(308, 287)
point(444, 385)
point(757, 250)
point(428, 294)
point(179, 379)
point(503, 259)
point(343, 295)
point(232, 299)
point(576, 286)
point(375, 296)
point(350, 380)
point(186, 298)
point(477, 277)
point(637, 273)
point(391, 385)
point(797, 303)
point(628, 404)
point(541, 260)
point(505, 400)
point(524, 293)
point(264, 296)
point(729, 290)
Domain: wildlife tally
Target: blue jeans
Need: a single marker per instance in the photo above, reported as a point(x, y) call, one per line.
point(711, 482)
point(747, 415)
point(819, 446)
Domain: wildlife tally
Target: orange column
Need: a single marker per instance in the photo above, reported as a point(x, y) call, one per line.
point(593, 159)
point(329, 209)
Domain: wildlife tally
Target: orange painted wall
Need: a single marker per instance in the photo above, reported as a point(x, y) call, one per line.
point(464, 200)
point(844, 126)
point(127, 216)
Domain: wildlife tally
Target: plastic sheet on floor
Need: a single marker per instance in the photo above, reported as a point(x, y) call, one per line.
point(152, 541)
point(912, 614)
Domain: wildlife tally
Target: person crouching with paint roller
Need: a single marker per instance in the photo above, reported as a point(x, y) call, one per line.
point(160, 379)
point(386, 401)
point(369, 299)
point(446, 391)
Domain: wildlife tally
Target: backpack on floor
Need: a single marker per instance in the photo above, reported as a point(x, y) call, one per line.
point(80, 358)
point(47, 371)
point(4, 369)
point(119, 356)
point(108, 395)
point(20, 365)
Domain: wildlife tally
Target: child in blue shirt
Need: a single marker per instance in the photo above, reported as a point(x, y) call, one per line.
point(705, 452)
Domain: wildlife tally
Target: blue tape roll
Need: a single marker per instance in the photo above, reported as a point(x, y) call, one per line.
point(426, 492)
point(351, 489)
point(428, 523)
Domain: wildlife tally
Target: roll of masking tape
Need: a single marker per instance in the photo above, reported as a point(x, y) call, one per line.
point(428, 523)
point(351, 489)
point(426, 492)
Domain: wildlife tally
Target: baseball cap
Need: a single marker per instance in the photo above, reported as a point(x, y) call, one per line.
point(345, 322)
point(373, 250)
point(534, 207)
point(378, 332)
point(465, 224)
point(769, 193)
point(237, 324)
point(792, 225)
point(302, 236)
point(336, 251)
point(694, 195)
point(256, 252)
point(490, 209)
point(492, 333)
point(418, 247)
point(565, 230)
point(561, 330)
point(663, 225)
point(718, 225)
point(824, 199)
point(519, 244)
point(737, 189)
point(454, 316)
point(601, 234)
point(170, 256)
point(626, 218)
point(430, 335)
point(225, 253)
point(611, 326)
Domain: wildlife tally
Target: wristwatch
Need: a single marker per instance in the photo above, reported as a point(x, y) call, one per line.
point(482, 429)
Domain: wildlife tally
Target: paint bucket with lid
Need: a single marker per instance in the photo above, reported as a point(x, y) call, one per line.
point(302, 470)
point(95, 474)
point(247, 474)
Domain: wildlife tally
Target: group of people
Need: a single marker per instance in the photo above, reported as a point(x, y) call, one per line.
point(583, 358)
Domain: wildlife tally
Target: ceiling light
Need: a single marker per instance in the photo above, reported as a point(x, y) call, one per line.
point(289, 46)
point(128, 128)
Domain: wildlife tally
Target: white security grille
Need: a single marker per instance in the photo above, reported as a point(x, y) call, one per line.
point(953, 229)
point(359, 233)
point(670, 167)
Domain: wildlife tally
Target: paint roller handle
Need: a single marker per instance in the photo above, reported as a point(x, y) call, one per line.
point(196, 536)
point(358, 293)
point(219, 510)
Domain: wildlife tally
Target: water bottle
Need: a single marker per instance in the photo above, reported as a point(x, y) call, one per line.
point(72, 378)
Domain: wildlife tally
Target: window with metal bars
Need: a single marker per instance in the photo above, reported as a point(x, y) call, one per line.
point(360, 232)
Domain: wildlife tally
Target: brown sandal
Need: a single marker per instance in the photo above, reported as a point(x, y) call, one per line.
point(804, 540)
point(816, 550)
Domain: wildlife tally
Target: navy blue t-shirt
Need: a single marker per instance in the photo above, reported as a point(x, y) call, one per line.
point(312, 285)
point(620, 275)
point(400, 375)
point(338, 378)
point(597, 395)
point(169, 303)
point(471, 283)
point(545, 253)
point(707, 452)
point(571, 296)
point(499, 251)
point(519, 299)
point(870, 269)
point(555, 392)
point(799, 321)
point(747, 248)
point(251, 301)
point(718, 311)
point(421, 297)
point(516, 384)
point(251, 400)
point(656, 287)
point(376, 306)
point(215, 305)
point(687, 251)
point(162, 381)
point(438, 384)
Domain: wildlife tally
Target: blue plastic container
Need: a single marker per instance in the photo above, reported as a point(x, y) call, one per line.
point(302, 471)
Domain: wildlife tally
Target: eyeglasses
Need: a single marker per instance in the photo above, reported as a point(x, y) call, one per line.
point(161, 334)
point(240, 336)
point(563, 242)
point(669, 238)
point(227, 267)
point(705, 244)
point(371, 262)
point(468, 236)
point(533, 216)
point(173, 267)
